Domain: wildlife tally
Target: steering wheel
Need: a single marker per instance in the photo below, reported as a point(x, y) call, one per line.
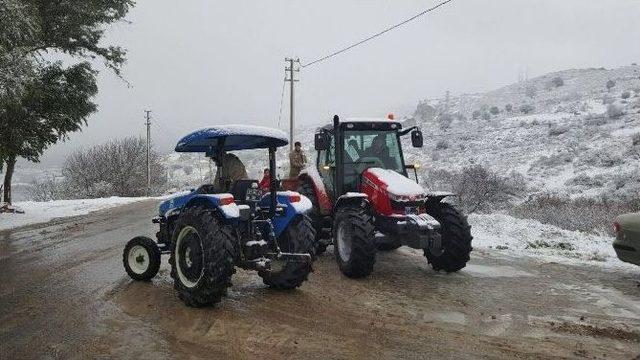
point(366, 162)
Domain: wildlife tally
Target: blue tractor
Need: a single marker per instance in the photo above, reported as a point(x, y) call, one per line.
point(212, 229)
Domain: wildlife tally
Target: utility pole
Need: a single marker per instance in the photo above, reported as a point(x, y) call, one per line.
point(290, 71)
point(148, 124)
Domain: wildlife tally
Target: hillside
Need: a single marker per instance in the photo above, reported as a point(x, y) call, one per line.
point(570, 136)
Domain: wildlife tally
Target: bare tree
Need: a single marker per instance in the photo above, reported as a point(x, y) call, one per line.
point(117, 167)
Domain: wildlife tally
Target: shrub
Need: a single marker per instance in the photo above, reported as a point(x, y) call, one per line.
point(444, 121)
point(558, 130)
point(530, 91)
point(508, 108)
point(480, 189)
point(635, 139)
point(486, 116)
point(610, 84)
point(557, 81)
point(494, 110)
point(48, 189)
point(442, 144)
point(589, 215)
point(117, 167)
point(625, 95)
point(476, 114)
point(607, 99)
point(614, 110)
point(526, 108)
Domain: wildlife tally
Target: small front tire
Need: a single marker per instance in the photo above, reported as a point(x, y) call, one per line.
point(141, 258)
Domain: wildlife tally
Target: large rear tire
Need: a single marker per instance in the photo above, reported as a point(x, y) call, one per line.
point(456, 238)
point(141, 258)
point(306, 188)
point(202, 257)
point(354, 241)
point(297, 238)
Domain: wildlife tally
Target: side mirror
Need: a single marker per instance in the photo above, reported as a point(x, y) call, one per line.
point(416, 138)
point(320, 141)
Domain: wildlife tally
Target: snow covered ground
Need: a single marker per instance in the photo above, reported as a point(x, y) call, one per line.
point(40, 212)
point(517, 237)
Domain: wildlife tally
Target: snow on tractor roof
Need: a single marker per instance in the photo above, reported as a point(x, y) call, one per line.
point(236, 137)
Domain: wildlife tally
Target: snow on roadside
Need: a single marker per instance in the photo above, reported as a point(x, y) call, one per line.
point(41, 212)
point(517, 237)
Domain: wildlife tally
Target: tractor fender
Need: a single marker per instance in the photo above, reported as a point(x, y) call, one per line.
point(311, 174)
point(352, 199)
point(215, 201)
point(294, 205)
point(437, 196)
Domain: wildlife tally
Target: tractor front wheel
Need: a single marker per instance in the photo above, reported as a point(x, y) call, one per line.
point(297, 238)
point(354, 241)
point(456, 238)
point(141, 258)
point(202, 256)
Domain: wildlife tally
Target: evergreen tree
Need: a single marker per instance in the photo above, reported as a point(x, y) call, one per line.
point(42, 101)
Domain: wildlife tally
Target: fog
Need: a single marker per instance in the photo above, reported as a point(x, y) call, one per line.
point(200, 63)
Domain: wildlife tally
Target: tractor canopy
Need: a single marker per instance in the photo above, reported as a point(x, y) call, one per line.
point(232, 137)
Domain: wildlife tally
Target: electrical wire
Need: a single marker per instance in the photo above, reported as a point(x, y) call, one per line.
point(337, 52)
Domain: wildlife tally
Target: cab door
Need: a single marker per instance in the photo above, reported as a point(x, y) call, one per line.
point(327, 165)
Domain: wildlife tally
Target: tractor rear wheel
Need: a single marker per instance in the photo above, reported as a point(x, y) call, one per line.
point(306, 188)
point(141, 258)
point(202, 256)
point(297, 238)
point(456, 238)
point(354, 241)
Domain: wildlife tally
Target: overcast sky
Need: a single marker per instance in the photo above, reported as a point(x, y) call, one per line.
point(201, 62)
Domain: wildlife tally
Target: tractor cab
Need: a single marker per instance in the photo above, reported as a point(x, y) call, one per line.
point(366, 143)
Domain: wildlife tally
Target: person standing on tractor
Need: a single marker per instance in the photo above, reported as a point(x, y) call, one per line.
point(230, 169)
point(297, 160)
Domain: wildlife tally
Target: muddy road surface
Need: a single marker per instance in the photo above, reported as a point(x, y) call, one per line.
point(64, 294)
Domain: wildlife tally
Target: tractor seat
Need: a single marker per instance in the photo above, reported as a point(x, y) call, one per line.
point(208, 189)
point(239, 189)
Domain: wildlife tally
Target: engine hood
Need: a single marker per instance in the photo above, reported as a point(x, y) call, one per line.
point(401, 187)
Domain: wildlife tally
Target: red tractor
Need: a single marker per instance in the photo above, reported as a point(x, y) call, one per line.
point(359, 187)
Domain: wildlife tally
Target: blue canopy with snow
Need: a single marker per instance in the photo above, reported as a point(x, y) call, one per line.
point(234, 137)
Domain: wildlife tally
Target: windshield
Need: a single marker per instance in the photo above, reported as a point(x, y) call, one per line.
point(374, 148)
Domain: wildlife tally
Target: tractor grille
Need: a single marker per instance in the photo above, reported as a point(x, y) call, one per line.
point(403, 206)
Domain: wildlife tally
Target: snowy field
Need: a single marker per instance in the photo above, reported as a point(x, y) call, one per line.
point(41, 212)
point(517, 237)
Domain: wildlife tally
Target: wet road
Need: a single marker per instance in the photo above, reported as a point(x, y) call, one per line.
point(64, 294)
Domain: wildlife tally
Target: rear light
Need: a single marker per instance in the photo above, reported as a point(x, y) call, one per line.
point(295, 197)
point(616, 227)
point(227, 200)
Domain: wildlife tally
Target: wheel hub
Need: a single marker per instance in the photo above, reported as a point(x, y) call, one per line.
point(343, 239)
point(189, 256)
point(138, 259)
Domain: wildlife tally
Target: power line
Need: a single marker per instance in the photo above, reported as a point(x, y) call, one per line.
point(375, 35)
